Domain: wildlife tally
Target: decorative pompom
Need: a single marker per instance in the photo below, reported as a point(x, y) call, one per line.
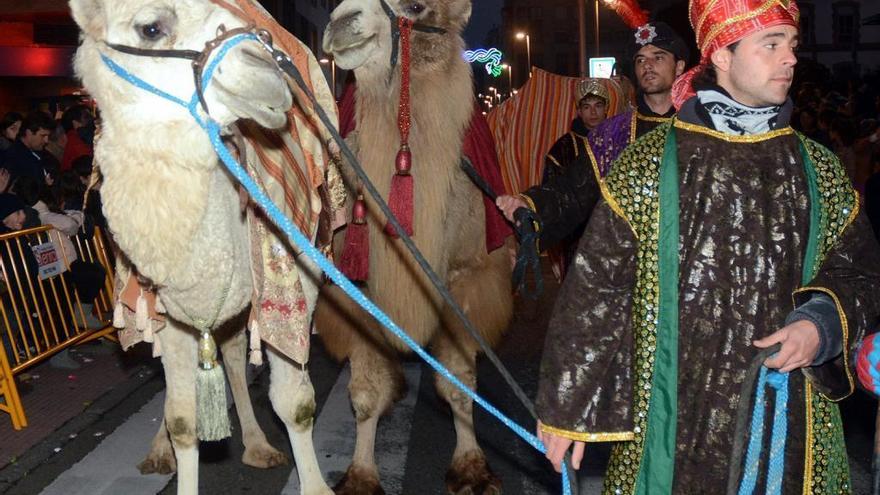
point(118, 316)
point(256, 347)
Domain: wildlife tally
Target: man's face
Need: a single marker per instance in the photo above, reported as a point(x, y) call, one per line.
point(36, 141)
point(656, 69)
point(592, 111)
point(15, 220)
point(761, 68)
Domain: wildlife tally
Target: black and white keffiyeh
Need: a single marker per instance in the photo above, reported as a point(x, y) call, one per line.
point(732, 117)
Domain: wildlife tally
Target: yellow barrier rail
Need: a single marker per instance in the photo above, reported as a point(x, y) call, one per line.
point(41, 311)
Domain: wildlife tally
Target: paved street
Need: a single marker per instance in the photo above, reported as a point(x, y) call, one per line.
point(414, 445)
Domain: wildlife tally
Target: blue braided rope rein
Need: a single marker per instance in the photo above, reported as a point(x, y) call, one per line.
point(303, 244)
point(776, 462)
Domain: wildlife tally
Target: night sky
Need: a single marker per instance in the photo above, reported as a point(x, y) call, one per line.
point(486, 13)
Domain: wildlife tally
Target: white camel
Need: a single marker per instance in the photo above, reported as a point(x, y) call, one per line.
point(176, 213)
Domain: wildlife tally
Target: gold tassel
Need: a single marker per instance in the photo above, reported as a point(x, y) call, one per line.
point(256, 354)
point(212, 416)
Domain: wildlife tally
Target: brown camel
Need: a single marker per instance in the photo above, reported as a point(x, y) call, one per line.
point(449, 228)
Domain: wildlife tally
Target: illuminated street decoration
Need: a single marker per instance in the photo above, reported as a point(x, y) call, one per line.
point(491, 57)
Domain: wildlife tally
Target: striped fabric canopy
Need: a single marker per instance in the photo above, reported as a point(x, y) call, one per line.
point(527, 125)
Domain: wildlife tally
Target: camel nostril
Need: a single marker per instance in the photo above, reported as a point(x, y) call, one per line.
point(255, 57)
point(346, 20)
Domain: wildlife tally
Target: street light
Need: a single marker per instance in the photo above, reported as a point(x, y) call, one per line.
point(523, 36)
point(509, 78)
point(332, 63)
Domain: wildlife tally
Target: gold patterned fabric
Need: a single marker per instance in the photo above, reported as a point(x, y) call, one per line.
point(744, 226)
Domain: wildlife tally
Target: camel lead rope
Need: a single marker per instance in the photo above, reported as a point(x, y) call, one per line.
point(759, 377)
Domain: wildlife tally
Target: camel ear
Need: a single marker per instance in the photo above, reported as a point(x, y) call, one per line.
point(89, 15)
point(461, 11)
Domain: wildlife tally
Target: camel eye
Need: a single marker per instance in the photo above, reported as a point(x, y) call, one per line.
point(152, 31)
point(415, 8)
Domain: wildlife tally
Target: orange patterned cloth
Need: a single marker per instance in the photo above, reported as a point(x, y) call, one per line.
point(720, 23)
point(526, 126)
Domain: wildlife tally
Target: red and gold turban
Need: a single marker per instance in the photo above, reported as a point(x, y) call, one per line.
point(720, 23)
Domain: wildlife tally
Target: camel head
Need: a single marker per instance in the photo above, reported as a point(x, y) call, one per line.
point(360, 33)
point(246, 84)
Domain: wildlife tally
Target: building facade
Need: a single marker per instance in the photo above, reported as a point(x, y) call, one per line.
point(307, 19)
point(842, 35)
point(552, 26)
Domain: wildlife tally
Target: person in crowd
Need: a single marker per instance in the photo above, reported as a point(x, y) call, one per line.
point(710, 227)
point(564, 202)
point(57, 143)
point(843, 139)
point(9, 126)
point(27, 156)
point(591, 99)
point(87, 277)
point(93, 209)
point(79, 124)
point(872, 195)
point(591, 104)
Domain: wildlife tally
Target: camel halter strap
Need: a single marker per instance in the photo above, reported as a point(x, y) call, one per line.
point(396, 26)
point(199, 59)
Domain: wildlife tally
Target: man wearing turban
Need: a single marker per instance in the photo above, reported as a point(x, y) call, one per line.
point(720, 233)
point(566, 197)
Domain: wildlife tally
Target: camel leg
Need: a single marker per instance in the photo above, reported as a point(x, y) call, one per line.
point(180, 361)
point(376, 383)
point(258, 452)
point(293, 399)
point(160, 460)
point(485, 293)
point(469, 472)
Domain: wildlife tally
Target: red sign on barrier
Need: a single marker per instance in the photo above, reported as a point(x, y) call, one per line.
point(49, 261)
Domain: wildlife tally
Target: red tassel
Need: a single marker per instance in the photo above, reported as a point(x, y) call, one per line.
point(401, 203)
point(354, 262)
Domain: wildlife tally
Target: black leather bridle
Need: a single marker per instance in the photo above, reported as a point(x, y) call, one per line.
point(395, 30)
point(199, 58)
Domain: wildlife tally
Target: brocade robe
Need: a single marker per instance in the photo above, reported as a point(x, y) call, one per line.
point(763, 222)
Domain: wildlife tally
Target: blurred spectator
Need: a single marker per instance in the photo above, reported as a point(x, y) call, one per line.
point(27, 156)
point(9, 126)
point(83, 168)
point(79, 124)
point(87, 277)
point(57, 143)
point(808, 124)
point(872, 195)
point(843, 137)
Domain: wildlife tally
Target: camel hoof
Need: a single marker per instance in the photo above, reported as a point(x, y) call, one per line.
point(159, 463)
point(263, 457)
point(469, 474)
point(359, 481)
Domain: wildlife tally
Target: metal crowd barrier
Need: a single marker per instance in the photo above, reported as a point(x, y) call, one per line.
point(41, 312)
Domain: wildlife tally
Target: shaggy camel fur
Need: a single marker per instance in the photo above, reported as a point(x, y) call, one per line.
point(449, 227)
point(176, 213)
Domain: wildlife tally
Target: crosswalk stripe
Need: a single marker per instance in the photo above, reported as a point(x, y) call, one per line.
point(111, 468)
point(334, 434)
